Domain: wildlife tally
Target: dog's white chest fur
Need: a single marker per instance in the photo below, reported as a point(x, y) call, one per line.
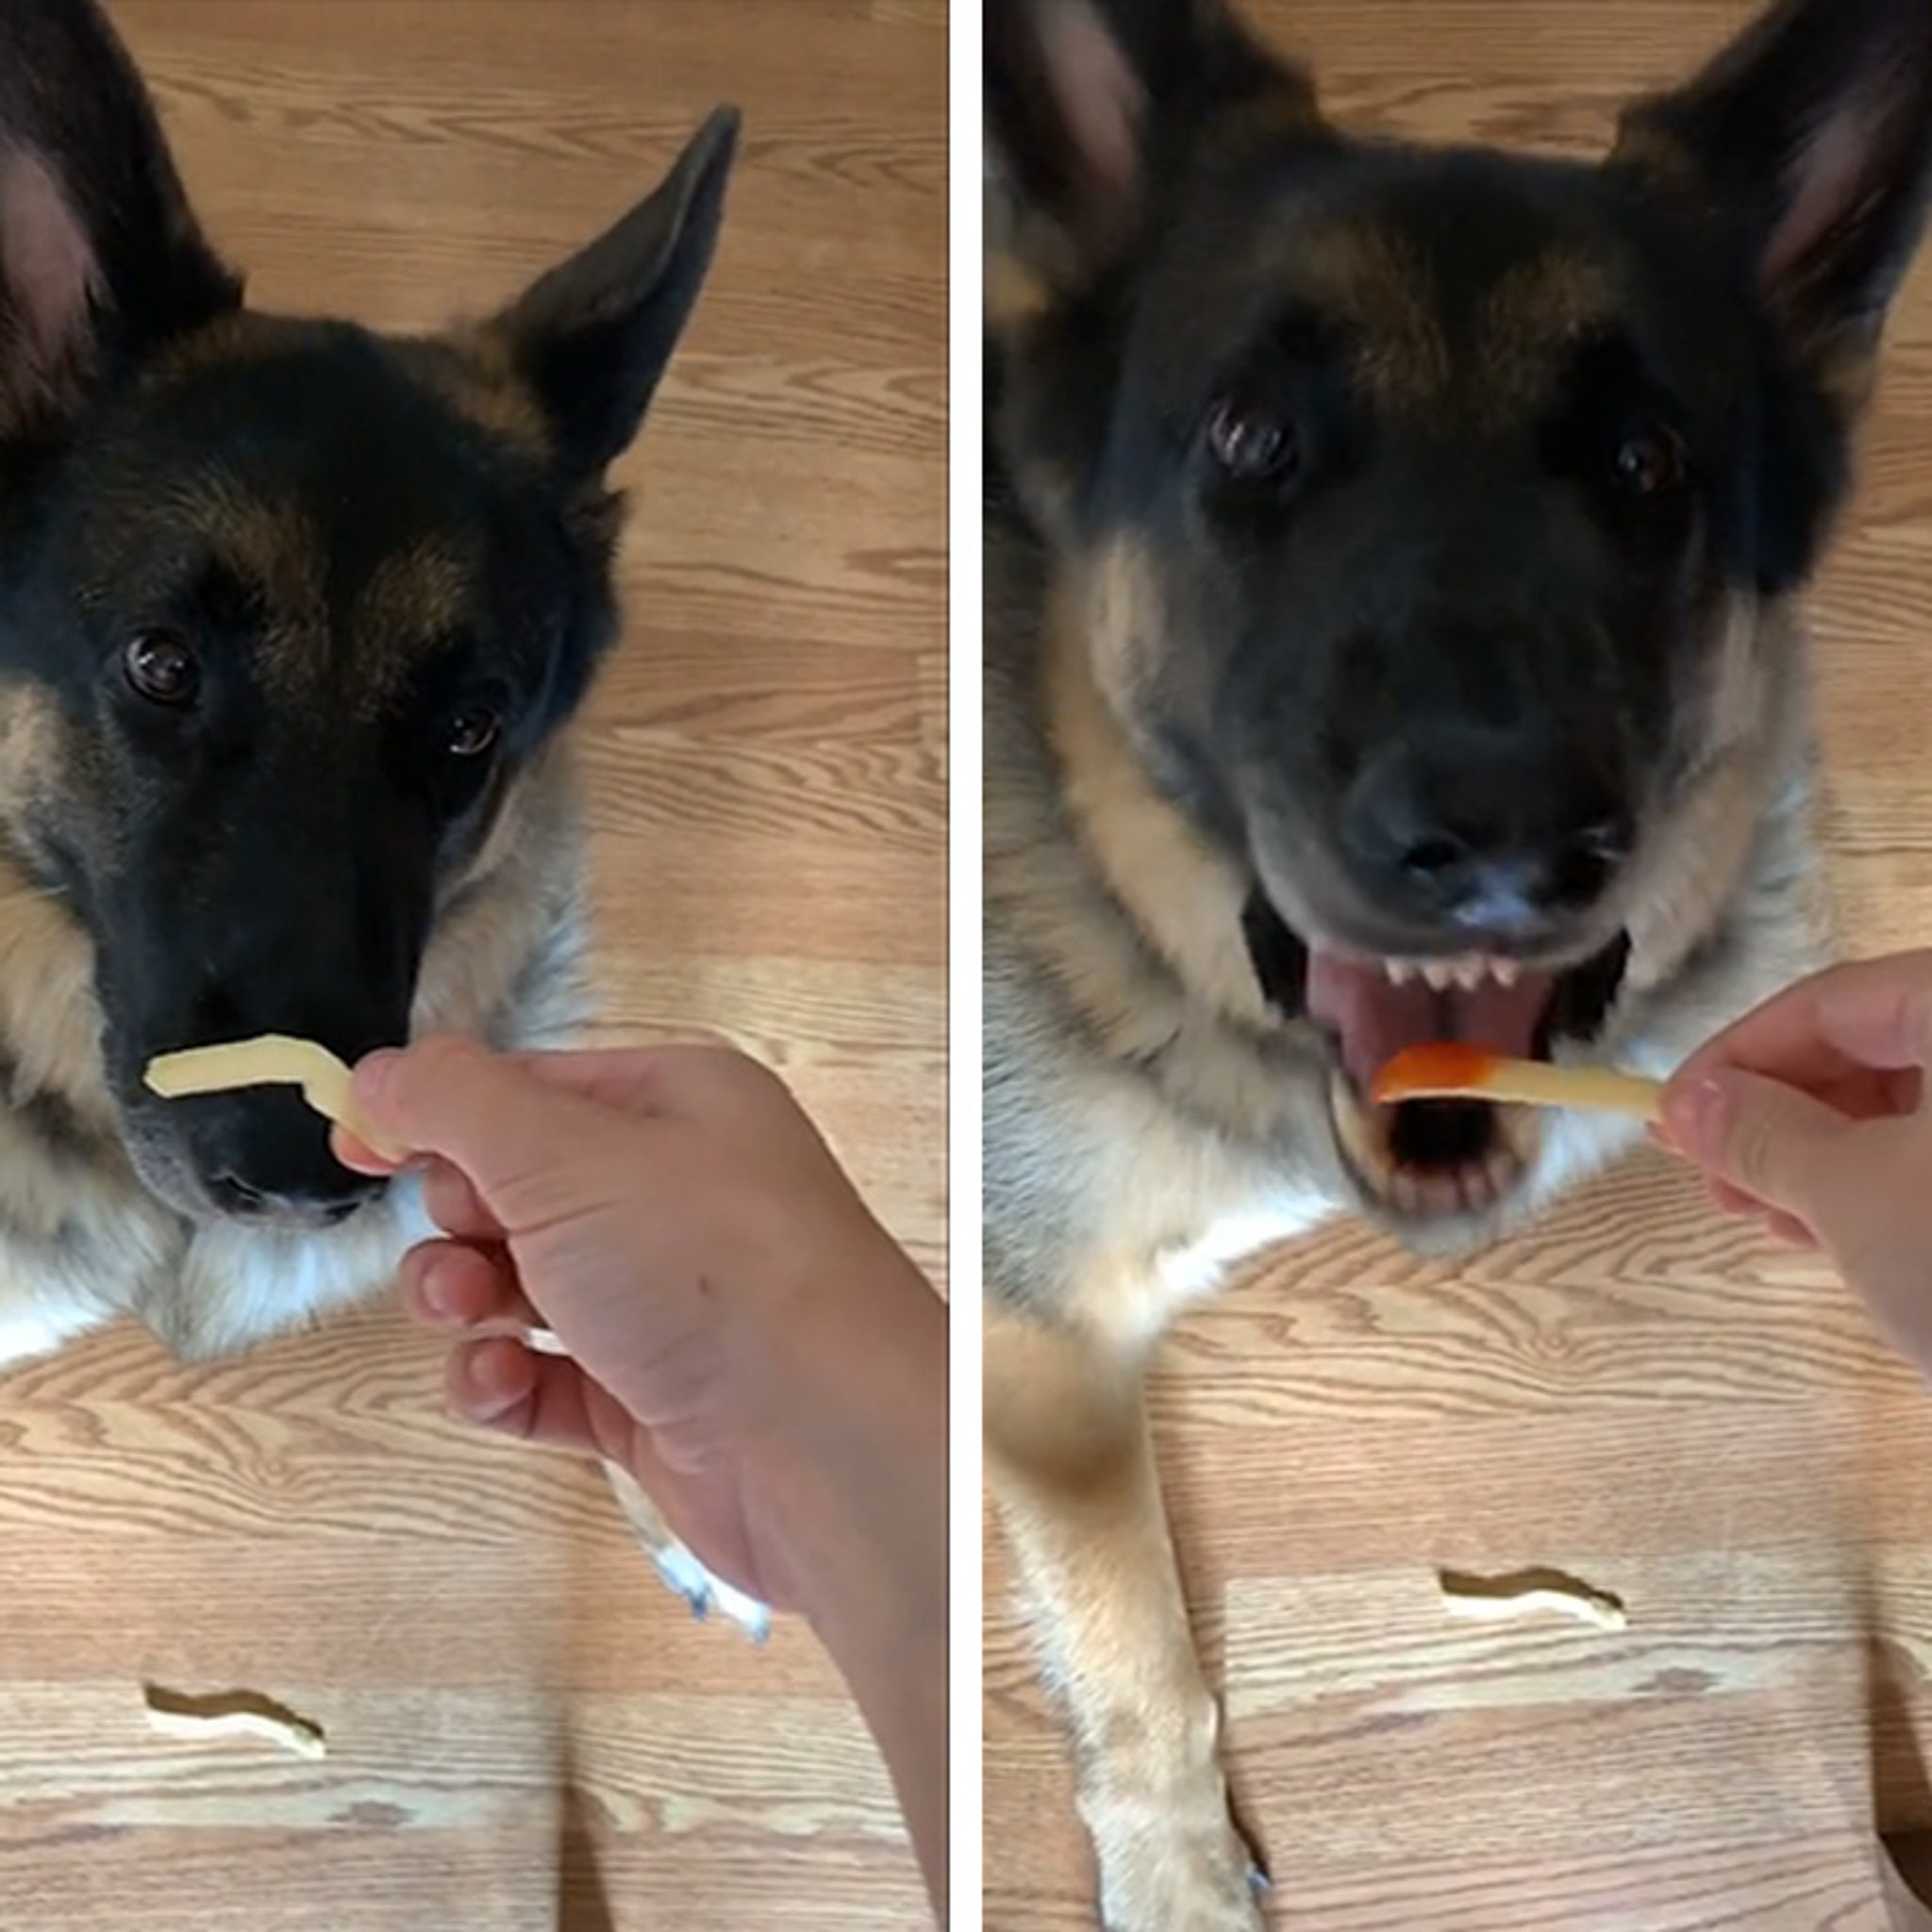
point(229, 1285)
point(1189, 1272)
point(266, 1278)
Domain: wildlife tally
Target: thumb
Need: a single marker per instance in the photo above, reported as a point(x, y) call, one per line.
point(1775, 1142)
point(535, 1152)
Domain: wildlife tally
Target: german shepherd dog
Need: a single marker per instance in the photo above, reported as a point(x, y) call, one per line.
point(1393, 558)
point(294, 620)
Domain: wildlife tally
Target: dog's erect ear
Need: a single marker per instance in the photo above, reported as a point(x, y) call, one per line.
point(1087, 103)
point(1814, 132)
point(100, 257)
point(593, 336)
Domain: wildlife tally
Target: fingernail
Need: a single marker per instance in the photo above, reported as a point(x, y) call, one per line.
point(1696, 1117)
point(499, 1378)
point(437, 1295)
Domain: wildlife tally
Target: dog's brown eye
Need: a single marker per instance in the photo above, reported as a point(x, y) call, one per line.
point(472, 732)
point(1651, 463)
point(163, 668)
point(1251, 442)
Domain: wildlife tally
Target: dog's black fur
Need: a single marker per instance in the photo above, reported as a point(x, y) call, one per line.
point(1429, 643)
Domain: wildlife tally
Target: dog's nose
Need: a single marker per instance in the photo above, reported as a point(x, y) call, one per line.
point(263, 1152)
point(1477, 830)
point(236, 1196)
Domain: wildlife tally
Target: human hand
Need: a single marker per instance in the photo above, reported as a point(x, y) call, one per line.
point(1810, 1112)
point(742, 1336)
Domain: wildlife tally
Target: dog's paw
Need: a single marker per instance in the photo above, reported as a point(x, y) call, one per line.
point(1174, 1867)
point(706, 1592)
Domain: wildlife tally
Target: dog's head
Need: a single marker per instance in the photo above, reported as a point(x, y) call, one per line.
point(286, 608)
point(1426, 515)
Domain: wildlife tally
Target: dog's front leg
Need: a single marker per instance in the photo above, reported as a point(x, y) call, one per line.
point(1072, 1465)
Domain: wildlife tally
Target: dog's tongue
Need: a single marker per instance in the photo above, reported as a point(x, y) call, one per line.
point(1376, 1018)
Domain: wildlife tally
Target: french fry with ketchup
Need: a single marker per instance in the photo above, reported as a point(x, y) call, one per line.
point(1450, 1071)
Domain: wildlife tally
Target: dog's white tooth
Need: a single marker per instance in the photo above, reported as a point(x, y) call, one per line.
point(1397, 972)
point(1406, 1194)
point(1507, 972)
point(1440, 974)
point(1470, 972)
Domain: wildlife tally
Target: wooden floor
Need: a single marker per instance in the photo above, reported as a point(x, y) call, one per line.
point(1641, 1394)
point(527, 1733)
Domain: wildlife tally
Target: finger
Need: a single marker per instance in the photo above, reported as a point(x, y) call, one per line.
point(655, 1079)
point(1766, 1140)
point(1872, 1093)
point(1783, 1040)
point(1880, 1014)
point(537, 1149)
point(453, 1203)
point(533, 1153)
point(1790, 1229)
point(1864, 1094)
point(1785, 1227)
point(452, 1284)
point(358, 1157)
point(1730, 1200)
point(494, 1382)
point(501, 1385)
point(1874, 1013)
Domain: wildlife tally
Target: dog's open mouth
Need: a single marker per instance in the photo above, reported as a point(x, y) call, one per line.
point(1430, 1159)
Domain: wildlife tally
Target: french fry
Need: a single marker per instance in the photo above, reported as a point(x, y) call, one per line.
point(273, 1059)
point(232, 1714)
point(1450, 1071)
point(1499, 1599)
